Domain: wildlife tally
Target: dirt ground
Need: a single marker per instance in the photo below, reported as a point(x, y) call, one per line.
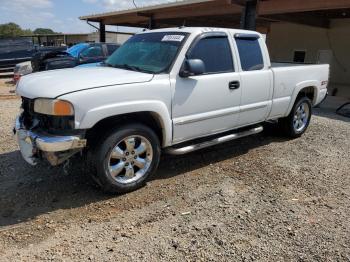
point(262, 198)
point(7, 87)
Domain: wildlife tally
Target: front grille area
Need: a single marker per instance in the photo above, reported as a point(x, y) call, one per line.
point(28, 112)
point(47, 123)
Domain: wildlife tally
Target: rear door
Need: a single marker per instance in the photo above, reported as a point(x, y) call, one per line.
point(209, 103)
point(256, 79)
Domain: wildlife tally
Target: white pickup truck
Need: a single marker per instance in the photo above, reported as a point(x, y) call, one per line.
point(174, 90)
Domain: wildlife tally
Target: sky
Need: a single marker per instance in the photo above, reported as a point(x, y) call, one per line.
point(62, 15)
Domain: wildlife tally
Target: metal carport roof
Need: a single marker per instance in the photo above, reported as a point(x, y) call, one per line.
point(225, 13)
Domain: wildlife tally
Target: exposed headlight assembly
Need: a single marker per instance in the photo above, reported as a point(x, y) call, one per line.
point(54, 107)
point(23, 69)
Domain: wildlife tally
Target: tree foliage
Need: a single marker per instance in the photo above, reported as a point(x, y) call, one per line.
point(10, 30)
point(43, 31)
point(14, 30)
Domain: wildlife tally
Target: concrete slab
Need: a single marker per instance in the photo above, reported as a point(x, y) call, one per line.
point(333, 102)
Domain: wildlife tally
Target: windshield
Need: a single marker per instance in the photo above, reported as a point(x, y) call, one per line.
point(150, 52)
point(76, 49)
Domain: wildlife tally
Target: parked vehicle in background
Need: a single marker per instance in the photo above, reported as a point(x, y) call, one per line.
point(80, 54)
point(26, 67)
point(83, 53)
point(176, 90)
point(18, 50)
point(13, 51)
point(22, 69)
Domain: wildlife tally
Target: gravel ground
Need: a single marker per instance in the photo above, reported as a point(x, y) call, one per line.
point(261, 198)
point(7, 87)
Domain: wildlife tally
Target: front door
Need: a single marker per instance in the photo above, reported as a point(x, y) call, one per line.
point(208, 103)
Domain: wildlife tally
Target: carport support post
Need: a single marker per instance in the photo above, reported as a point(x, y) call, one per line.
point(102, 32)
point(249, 13)
point(151, 23)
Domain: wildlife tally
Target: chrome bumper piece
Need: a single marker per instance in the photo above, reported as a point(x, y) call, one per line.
point(31, 142)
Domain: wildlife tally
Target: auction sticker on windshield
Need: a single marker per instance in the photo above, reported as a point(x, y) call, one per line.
point(175, 38)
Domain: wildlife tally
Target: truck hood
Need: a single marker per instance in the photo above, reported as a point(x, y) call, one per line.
point(51, 84)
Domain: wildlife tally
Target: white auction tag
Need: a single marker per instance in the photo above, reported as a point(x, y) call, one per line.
point(175, 38)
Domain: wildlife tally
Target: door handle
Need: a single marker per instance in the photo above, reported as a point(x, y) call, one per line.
point(234, 85)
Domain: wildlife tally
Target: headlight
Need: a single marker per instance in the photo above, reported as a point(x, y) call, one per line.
point(23, 69)
point(54, 107)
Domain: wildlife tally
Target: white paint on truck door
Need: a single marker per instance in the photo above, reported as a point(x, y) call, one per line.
point(205, 104)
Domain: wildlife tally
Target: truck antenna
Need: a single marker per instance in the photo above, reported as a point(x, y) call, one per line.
point(183, 24)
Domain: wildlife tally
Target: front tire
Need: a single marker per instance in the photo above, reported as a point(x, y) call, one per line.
point(297, 122)
point(126, 158)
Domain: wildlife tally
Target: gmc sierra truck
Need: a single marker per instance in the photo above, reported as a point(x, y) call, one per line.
point(171, 90)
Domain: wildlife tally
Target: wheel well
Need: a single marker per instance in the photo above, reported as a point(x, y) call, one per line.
point(147, 118)
point(308, 92)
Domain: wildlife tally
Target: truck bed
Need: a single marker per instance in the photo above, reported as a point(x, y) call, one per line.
point(288, 78)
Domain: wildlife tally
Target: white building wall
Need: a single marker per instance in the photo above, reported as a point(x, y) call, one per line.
point(110, 37)
point(284, 38)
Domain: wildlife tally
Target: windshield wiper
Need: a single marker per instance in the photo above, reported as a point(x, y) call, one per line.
point(133, 68)
point(106, 64)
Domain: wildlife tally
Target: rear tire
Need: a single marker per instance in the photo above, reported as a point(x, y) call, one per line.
point(297, 122)
point(125, 158)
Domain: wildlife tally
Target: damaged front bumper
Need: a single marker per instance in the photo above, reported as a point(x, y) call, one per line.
point(56, 149)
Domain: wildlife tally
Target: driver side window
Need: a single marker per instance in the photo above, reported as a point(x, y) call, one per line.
point(92, 51)
point(215, 52)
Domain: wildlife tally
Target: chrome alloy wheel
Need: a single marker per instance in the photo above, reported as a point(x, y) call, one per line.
point(130, 159)
point(301, 117)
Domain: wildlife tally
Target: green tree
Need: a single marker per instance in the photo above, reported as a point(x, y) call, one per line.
point(27, 32)
point(14, 30)
point(43, 31)
point(10, 30)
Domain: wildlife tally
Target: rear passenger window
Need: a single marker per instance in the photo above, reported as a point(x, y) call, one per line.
point(250, 54)
point(216, 54)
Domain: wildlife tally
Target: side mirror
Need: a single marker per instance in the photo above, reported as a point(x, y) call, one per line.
point(192, 67)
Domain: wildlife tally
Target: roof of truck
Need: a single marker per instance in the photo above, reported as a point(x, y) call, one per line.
point(200, 30)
